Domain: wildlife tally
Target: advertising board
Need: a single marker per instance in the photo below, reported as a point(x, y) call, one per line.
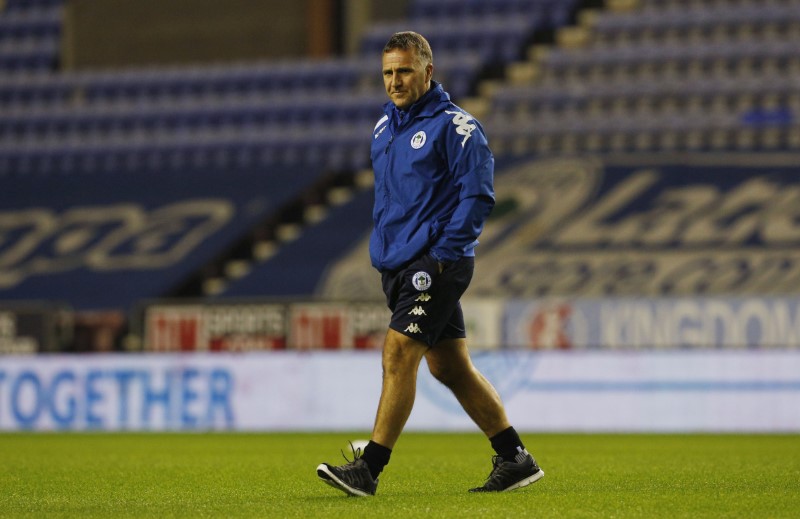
point(661, 323)
point(217, 327)
point(338, 391)
point(264, 326)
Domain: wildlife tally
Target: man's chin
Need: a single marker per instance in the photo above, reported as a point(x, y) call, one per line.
point(400, 101)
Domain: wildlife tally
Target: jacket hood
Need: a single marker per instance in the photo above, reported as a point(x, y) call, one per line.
point(431, 102)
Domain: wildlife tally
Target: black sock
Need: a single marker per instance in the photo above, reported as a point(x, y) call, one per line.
point(508, 445)
point(377, 457)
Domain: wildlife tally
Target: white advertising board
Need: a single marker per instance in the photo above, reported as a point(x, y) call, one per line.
point(483, 319)
point(653, 323)
point(289, 390)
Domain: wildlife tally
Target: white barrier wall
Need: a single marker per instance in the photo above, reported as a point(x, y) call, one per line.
point(269, 391)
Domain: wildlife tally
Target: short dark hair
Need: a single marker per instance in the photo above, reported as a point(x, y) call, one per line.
point(410, 40)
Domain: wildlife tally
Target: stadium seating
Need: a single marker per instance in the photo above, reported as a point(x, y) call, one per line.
point(494, 38)
point(667, 75)
point(72, 113)
point(240, 114)
point(29, 36)
point(644, 83)
point(727, 61)
point(477, 34)
point(497, 31)
point(298, 266)
point(670, 75)
point(14, 5)
point(554, 13)
point(106, 239)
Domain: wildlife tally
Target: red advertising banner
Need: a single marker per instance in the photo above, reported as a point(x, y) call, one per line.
point(267, 326)
point(337, 325)
point(231, 327)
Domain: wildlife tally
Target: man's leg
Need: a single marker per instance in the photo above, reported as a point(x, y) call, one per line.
point(401, 358)
point(449, 362)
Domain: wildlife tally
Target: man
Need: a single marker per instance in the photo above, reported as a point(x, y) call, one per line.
point(433, 192)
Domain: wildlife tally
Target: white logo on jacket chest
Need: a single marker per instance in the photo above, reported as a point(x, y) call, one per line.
point(463, 126)
point(380, 122)
point(418, 140)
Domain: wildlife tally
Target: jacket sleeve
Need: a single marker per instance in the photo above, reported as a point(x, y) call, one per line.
point(472, 167)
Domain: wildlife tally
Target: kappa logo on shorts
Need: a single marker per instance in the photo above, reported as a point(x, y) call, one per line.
point(423, 297)
point(421, 281)
point(417, 310)
point(413, 328)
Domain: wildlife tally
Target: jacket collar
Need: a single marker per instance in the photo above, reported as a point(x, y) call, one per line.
point(431, 102)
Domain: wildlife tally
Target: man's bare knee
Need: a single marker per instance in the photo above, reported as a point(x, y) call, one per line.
point(401, 354)
point(449, 362)
point(445, 374)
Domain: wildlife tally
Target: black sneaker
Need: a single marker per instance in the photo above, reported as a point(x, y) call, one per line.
point(352, 478)
point(510, 475)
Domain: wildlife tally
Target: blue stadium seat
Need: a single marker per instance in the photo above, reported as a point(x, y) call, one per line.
point(31, 22)
point(493, 38)
point(682, 17)
point(170, 114)
point(29, 54)
point(22, 5)
point(459, 10)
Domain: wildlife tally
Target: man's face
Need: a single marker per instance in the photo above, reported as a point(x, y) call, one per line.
point(405, 77)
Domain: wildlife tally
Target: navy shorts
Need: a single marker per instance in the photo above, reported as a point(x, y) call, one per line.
point(425, 303)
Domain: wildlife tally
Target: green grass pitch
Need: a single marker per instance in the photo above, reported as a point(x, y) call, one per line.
point(272, 475)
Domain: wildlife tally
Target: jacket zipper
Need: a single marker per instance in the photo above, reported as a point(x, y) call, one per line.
point(387, 196)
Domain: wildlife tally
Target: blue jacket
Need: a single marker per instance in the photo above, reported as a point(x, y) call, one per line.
point(433, 182)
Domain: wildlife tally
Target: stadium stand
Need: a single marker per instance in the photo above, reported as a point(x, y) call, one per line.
point(29, 36)
point(105, 240)
point(643, 76)
point(241, 114)
point(293, 115)
point(273, 105)
point(492, 34)
point(295, 267)
point(552, 13)
point(663, 76)
point(668, 76)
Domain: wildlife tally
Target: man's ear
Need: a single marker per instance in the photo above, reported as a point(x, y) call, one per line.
point(428, 72)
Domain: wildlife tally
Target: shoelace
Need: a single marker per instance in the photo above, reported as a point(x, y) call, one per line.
point(496, 462)
point(362, 479)
point(499, 473)
point(357, 453)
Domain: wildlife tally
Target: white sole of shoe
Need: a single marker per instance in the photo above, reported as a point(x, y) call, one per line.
point(330, 478)
point(527, 481)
